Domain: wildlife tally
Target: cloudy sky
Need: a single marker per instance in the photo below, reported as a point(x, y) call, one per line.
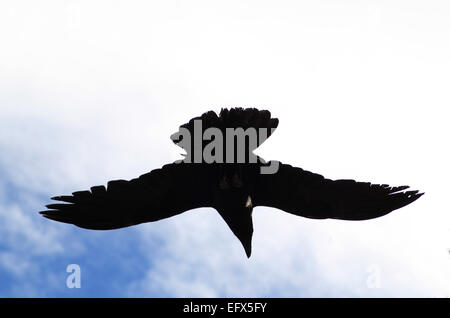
point(91, 91)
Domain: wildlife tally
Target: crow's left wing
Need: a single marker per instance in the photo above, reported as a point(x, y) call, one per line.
point(156, 195)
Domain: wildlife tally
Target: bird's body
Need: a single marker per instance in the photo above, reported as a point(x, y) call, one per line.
point(233, 187)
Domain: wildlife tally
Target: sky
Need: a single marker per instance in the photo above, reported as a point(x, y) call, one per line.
point(90, 91)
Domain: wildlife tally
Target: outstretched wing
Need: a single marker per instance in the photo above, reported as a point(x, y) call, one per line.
point(159, 194)
point(307, 194)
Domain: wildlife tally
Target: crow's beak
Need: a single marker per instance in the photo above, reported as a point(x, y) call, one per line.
point(247, 244)
point(240, 222)
point(244, 234)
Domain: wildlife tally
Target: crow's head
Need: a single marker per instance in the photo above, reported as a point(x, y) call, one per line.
point(235, 206)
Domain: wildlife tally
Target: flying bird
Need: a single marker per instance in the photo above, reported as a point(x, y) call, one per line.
point(229, 179)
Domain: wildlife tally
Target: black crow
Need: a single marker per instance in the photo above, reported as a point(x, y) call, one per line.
point(220, 171)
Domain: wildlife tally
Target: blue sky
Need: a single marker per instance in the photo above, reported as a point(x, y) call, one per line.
point(90, 91)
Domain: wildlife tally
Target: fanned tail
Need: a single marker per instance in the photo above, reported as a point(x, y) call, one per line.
point(255, 125)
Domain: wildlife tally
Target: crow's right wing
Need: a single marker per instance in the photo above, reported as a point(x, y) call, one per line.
point(307, 194)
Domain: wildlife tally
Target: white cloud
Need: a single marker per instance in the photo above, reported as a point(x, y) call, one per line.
point(292, 257)
point(12, 263)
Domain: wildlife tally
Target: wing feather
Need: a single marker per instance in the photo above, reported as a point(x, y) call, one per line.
point(307, 194)
point(156, 195)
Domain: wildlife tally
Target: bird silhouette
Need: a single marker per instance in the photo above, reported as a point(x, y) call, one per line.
point(234, 187)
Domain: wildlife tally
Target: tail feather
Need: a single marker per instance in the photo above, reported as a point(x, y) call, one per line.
point(244, 118)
